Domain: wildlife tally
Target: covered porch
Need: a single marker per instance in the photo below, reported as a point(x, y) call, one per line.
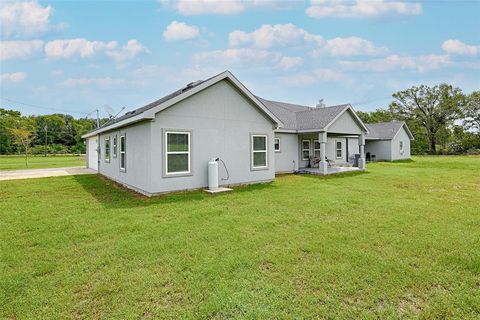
point(325, 153)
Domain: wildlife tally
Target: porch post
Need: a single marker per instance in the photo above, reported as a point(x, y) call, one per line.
point(322, 165)
point(361, 144)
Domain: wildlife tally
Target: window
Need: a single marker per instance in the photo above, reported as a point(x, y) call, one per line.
point(338, 149)
point(305, 149)
point(277, 144)
point(316, 148)
point(177, 157)
point(123, 149)
point(115, 146)
point(259, 151)
point(401, 146)
point(107, 149)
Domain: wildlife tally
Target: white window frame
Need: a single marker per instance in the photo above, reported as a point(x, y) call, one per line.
point(252, 152)
point(401, 146)
point(188, 152)
point(123, 153)
point(114, 146)
point(316, 149)
point(309, 149)
point(338, 149)
point(275, 145)
point(107, 142)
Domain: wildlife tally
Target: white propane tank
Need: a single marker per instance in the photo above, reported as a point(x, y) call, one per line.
point(212, 174)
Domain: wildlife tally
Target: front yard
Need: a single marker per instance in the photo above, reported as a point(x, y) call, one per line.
point(401, 240)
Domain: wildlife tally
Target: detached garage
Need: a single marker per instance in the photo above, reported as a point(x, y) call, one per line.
point(388, 141)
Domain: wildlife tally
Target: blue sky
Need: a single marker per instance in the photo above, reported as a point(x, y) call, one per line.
point(79, 56)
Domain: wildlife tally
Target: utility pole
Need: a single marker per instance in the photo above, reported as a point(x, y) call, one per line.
point(46, 128)
point(98, 119)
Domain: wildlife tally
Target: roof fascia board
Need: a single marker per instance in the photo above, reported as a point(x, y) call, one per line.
point(122, 123)
point(150, 114)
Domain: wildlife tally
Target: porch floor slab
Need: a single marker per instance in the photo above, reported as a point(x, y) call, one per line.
point(331, 170)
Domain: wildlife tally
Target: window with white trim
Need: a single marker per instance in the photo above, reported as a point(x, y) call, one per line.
point(259, 151)
point(338, 149)
point(177, 152)
point(107, 149)
point(115, 146)
point(123, 150)
point(277, 145)
point(401, 146)
point(316, 148)
point(305, 149)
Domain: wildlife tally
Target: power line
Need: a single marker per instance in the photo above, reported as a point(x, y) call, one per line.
point(43, 107)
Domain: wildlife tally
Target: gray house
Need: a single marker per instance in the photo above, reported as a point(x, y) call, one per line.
point(388, 141)
point(166, 145)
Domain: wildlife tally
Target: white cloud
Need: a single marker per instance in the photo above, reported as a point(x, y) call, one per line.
point(101, 82)
point(25, 18)
point(198, 7)
point(176, 31)
point(248, 57)
point(460, 48)
point(76, 47)
point(19, 49)
point(129, 51)
point(314, 76)
point(361, 8)
point(396, 62)
point(13, 77)
point(268, 36)
point(351, 46)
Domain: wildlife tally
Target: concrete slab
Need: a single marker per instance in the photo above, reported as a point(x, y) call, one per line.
point(218, 190)
point(42, 173)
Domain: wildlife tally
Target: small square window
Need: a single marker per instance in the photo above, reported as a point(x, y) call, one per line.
point(177, 157)
point(277, 144)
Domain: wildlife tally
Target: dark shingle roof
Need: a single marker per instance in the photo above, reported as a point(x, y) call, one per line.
point(383, 130)
point(298, 117)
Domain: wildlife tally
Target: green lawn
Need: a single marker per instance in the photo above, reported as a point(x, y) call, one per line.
point(399, 241)
point(18, 162)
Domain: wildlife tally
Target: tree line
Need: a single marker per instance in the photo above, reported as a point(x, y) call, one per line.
point(44, 134)
point(442, 119)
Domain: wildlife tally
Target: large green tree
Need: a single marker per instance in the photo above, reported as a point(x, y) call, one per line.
point(434, 108)
point(472, 112)
point(379, 115)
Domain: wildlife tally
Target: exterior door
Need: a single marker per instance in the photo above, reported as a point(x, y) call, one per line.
point(92, 153)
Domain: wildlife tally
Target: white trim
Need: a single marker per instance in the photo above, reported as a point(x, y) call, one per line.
point(123, 153)
point(252, 151)
point(338, 149)
point(188, 152)
point(309, 149)
point(279, 145)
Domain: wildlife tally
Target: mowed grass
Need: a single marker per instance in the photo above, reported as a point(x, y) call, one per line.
point(36, 162)
point(399, 241)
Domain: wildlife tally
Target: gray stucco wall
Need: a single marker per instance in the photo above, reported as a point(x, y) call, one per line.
point(401, 136)
point(345, 124)
point(287, 159)
point(221, 121)
point(137, 156)
point(382, 149)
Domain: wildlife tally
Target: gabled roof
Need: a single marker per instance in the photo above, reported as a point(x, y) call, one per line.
point(148, 111)
point(386, 130)
point(297, 117)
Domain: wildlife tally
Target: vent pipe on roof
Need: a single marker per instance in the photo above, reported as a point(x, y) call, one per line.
point(320, 104)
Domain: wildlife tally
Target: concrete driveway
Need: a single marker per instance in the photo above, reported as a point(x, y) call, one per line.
point(42, 173)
